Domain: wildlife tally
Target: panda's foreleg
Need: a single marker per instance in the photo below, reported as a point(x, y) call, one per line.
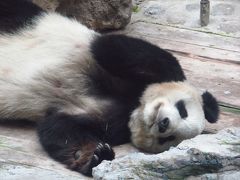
point(74, 142)
point(136, 60)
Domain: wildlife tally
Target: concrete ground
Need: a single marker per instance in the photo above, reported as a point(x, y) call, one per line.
point(224, 15)
point(209, 55)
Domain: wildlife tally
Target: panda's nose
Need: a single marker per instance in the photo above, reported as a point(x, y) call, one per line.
point(163, 125)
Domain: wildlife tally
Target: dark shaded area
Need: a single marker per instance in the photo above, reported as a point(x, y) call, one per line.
point(20, 123)
point(16, 14)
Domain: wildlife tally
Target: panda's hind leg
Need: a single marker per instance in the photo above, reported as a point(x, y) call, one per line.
point(74, 142)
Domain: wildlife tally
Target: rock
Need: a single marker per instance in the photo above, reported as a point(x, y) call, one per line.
point(228, 175)
point(203, 157)
point(47, 5)
point(137, 2)
point(96, 14)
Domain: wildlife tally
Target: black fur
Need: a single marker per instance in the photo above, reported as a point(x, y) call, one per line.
point(66, 136)
point(15, 14)
point(210, 107)
point(181, 109)
point(62, 136)
point(134, 59)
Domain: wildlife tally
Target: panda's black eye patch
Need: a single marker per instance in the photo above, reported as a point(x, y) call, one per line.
point(181, 109)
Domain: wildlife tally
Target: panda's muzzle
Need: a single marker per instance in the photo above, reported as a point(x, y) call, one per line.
point(163, 125)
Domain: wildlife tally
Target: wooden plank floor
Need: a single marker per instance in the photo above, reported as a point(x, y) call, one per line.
point(210, 60)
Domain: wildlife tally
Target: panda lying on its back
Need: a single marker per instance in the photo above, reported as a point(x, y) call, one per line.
point(83, 88)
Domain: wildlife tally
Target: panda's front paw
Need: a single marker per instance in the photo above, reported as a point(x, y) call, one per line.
point(103, 151)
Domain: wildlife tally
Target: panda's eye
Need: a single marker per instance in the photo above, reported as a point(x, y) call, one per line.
point(181, 109)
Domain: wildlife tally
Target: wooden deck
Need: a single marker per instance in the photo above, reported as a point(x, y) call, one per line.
point(211, 61)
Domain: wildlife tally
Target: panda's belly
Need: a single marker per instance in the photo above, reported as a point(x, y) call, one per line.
point(54, 41)
point(19, 61)
point(13, 70)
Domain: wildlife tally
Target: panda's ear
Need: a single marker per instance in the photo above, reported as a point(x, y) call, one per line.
point(210, 107)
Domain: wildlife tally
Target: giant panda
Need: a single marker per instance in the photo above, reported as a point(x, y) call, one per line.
point(89, 92)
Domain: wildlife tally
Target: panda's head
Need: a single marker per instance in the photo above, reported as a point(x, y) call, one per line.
point(169, 113)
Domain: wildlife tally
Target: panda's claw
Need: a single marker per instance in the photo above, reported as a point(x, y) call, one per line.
point(100, 146)
point(77, 155)
point(95, 159)
point(108, 147)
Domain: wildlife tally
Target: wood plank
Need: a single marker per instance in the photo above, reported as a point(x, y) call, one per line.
point(187, 41)
point(16, 171)
point(226, 120)
point(220, 78)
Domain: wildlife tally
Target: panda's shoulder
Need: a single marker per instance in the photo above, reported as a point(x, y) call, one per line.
point(16, 14)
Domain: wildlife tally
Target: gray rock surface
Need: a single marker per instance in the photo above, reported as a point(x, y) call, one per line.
point(203, 157)
point(96, 14)
point(49, 5)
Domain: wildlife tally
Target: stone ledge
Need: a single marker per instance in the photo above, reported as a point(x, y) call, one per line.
point(215, 155)
point(96, 14)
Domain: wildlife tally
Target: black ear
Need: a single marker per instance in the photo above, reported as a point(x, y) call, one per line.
point(210, 107)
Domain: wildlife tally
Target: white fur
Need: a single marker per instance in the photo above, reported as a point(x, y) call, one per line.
point(53, 41)
point(158, 102)
point(45, 49)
